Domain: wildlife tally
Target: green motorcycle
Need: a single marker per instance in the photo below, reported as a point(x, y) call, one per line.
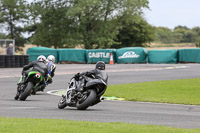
point(33, 80)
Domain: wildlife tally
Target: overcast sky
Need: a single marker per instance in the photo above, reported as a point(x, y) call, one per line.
point(170, 13)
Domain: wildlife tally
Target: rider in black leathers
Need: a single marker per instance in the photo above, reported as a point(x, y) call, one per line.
point(38, 65)
point(97, 73)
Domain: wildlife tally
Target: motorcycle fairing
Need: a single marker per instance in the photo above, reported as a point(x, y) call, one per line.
point(35, 72)
point(93, 82)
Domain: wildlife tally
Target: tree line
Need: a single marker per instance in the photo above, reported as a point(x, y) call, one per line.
point(89, 23)
point(180, 34)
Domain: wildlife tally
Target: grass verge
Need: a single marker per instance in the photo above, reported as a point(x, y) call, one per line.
point(29, 125)
point(183, 91)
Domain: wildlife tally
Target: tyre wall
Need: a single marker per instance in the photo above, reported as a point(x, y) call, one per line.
point(11, 61)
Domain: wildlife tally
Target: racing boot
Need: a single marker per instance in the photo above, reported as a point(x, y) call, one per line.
point(23, 79)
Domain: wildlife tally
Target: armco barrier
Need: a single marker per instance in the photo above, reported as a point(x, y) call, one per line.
point(189, 55)
point(131, 55)
point(11, 61)
point(162, 56)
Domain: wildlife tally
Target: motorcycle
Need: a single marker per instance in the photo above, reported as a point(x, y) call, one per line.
point(33, 80)
point(83, 93)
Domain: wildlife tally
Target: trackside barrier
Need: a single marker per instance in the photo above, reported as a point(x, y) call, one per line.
point(131, 55)
point(34, 52)
point(72, 55)
point(123, 55)
point(95, 55)
point(189, 55)
point(162, 56)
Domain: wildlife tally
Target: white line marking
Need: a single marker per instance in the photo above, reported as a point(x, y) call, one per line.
point(52, 92)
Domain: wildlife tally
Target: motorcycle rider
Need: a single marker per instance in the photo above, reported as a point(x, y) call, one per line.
point(97, 73)
point(38, 65)
point(51, 68)
point(50, 73)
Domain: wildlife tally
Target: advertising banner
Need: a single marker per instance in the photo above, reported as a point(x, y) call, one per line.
point(95, 55)
point(131, 55)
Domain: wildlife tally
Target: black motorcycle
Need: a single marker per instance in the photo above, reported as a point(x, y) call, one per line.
point(32, 82)
point(83, 93)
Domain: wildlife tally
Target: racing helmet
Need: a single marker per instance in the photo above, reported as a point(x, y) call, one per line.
point(100, 65)
point(41, 58)
point(51, 58)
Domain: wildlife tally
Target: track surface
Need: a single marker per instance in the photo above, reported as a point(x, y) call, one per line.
point(44, 105)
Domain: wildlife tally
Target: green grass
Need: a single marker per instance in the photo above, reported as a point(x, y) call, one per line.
point(28, 125)
point(184, 91)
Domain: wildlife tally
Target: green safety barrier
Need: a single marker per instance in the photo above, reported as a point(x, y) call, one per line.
point(131, 55)
point(189, 55)
point(34, 52)
point(95, 55)
point(72, 55)
point(162, 56)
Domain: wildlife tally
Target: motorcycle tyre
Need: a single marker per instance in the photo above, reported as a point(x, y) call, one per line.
point(62, 105)
point(26, 92)
point(90, 99)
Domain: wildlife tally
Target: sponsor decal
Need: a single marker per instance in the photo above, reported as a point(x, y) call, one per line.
point(98, 55)
point(129, 54)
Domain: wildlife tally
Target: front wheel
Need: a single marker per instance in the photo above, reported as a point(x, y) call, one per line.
point(26, 92)
point(62, 103)
point(88, 98)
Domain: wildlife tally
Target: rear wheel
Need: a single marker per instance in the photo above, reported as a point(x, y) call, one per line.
point(88, 98)
point(26, 92)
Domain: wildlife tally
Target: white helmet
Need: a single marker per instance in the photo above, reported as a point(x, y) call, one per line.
point(41, 58)
point(51, 58)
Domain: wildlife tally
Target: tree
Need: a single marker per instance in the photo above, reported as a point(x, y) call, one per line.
point(135, 32)
point(163, 35)
point(98, 21)
point(184, 33)
point(49, 23)
point(196, 33)
point(93, 23)
point(197, 43)
point(14, 15)
point(2, 36)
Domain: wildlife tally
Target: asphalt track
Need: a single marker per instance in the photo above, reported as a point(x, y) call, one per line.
point(44, 105)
